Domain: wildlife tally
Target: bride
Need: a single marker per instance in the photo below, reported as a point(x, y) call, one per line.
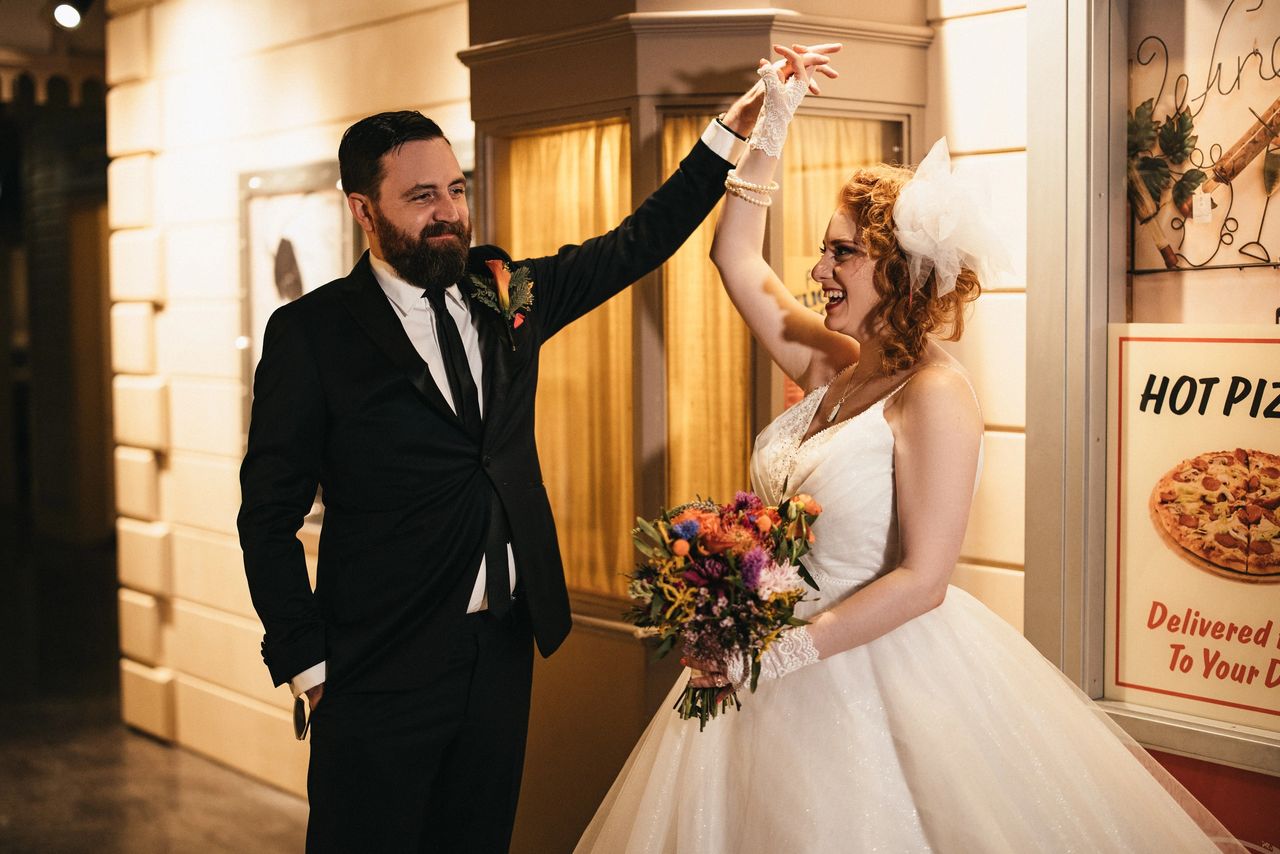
point(905, 717)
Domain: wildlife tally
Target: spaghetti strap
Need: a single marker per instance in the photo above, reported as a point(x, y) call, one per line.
point(946, 365)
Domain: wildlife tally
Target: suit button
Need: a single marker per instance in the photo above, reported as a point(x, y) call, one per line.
point(487, 461)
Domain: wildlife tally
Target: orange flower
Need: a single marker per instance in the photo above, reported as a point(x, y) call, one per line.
point(718, 539)
point(764, 523)
point(680, 548)
point(702, 517)
point(502, 276)
point(812, 507)
point(516, 321)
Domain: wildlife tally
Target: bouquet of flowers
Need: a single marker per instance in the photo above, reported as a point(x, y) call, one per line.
point(724, 581)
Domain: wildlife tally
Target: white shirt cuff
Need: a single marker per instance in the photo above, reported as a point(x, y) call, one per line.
point(307, 679)
point(723, 142)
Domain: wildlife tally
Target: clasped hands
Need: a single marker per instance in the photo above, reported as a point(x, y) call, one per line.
point(801, 61)
point(709, 674)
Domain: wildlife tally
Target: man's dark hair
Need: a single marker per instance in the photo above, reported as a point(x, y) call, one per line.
point(365, 142)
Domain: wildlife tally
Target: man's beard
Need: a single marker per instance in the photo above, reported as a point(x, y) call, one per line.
point(418, 261)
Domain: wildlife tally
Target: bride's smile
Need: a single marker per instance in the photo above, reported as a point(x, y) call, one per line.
point(845, 271)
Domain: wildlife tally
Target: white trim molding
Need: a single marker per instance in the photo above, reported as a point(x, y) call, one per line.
point(696, 22)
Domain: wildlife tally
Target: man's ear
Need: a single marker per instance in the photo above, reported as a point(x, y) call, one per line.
point(362, 209)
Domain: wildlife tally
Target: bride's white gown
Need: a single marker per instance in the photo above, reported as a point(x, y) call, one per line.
point(951, 733)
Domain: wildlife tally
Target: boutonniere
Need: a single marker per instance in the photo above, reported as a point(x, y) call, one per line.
point(510, 294)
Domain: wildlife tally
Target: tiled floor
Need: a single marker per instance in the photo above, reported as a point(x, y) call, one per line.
point(73, 779)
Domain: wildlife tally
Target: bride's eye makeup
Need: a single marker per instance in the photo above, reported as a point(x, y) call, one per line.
point(841, 249)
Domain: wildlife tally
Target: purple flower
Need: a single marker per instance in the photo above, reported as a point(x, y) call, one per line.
point(747, 501)
point(686, 530)
point(752, 563)
point(705, 572)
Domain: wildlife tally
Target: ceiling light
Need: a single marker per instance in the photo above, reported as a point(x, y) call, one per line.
point(68, 15)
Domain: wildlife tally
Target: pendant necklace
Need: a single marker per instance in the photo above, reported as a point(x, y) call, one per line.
point(835, 410)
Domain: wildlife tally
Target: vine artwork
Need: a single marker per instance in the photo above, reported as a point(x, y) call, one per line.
point(1195, 204)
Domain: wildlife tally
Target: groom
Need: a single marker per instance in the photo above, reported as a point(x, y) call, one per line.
point(406, 391)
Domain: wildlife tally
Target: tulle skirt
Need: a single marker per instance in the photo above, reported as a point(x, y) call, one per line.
point(949, 734)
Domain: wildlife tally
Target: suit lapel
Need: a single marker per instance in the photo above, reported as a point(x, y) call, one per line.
point(492, 341)
point(374, 314)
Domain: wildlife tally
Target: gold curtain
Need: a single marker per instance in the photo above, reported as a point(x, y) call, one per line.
point(556, 187)
point(708, 358)
point(821, 154)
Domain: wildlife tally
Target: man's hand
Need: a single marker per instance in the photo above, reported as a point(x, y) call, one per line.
point(741, 117)
point(314, 694)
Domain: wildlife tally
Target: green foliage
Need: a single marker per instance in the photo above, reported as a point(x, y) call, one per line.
point(1154, 172)
point(1151, 170)
point(1186, 185)
point(521, 291)
point(1176, 138)
point(1142, 130)
point(1271, 171)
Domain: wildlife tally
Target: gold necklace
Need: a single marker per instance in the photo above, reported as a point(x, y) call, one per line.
point(835, 410)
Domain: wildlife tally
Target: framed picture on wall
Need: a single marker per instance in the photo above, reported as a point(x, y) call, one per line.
point(296, 234)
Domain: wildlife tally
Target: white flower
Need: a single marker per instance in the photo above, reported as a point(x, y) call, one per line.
point(778, 578)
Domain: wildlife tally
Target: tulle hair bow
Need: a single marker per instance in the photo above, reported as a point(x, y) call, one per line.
point(943, 223)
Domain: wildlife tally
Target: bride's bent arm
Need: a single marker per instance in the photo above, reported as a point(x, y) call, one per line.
point(794, 337)
point(935, 464)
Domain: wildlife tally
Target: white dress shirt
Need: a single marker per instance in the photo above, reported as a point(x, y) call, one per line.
point(419, 321)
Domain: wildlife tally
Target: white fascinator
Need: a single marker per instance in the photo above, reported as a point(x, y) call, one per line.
point(943, 222)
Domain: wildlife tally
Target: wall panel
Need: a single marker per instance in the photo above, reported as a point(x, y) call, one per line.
point(133, 345)
point(143, 554)
point(203, 92)
point(978, 83)
point(241, 732)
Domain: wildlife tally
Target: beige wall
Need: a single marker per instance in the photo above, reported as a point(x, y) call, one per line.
point(977, 98)
point(201, 91)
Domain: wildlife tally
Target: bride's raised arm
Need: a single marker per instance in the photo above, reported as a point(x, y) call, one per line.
point(793, 336)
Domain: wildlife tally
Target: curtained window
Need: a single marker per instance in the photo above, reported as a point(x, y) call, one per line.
point(560, 186)
point(708, 358)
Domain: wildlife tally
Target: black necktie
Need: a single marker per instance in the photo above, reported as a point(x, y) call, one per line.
point(466, 402)
point(462, 387)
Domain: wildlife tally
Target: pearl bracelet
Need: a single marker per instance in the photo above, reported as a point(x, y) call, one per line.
point(748, 197)
point(732, 180)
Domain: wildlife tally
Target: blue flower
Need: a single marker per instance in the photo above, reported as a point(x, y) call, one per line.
point(687, 529)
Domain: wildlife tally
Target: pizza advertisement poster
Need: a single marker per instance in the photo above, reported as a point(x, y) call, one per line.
point(1193, 534)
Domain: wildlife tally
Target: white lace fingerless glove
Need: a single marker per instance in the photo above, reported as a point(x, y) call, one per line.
point(792, 650)
point(780, 103)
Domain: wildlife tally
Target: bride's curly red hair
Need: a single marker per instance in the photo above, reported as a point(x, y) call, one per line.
point(906, 319)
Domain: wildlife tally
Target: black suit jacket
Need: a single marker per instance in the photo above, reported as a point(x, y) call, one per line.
point(342, 399)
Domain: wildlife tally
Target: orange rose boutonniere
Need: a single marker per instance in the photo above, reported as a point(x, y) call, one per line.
point(510, 293)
